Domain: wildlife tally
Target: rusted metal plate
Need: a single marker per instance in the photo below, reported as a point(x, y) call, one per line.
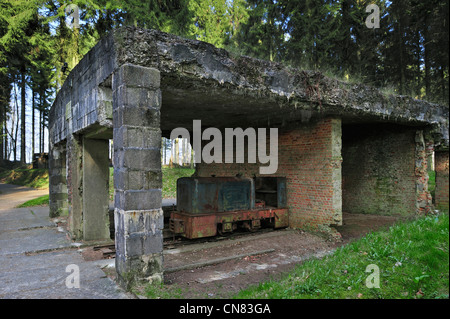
point(206, 225)
point(199, 195)
point(281, 218)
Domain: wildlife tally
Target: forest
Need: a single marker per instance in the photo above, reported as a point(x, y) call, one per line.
point(42, 40)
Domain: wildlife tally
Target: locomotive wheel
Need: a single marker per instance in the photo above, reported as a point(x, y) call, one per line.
point(225, 228)
point(252, 225)
point(221, 233)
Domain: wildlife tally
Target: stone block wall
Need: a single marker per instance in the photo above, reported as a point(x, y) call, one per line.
point(138, 216)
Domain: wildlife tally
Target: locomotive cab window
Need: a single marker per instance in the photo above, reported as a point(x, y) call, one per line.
point(271, 191)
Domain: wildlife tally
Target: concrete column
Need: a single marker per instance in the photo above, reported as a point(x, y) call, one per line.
point(57, 182)
point(95, 189)
point(336, 170)
point(442, 172)
point(424, 201)
point(75, 186)
point(138, 215)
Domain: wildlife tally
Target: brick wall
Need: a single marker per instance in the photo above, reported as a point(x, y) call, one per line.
point(310, 158)
point(442, 171)
point(378, 169)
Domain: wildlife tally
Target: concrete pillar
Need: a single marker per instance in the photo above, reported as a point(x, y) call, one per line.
point(336, 170)
point(95, 189)
point(138, 215)
point(442, 171)
point(57, 182)
point(424, 201)
point(75, 186)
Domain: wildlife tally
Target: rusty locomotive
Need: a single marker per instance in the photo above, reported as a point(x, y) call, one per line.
point(207, 206)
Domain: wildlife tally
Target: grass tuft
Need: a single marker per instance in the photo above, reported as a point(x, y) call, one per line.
point(170, 176)
point(169, 180)
point(36, 178)
point(412, 258)
point(40, 201)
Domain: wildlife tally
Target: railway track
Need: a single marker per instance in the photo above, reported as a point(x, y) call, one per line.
point(172, 243)
point(175, 242)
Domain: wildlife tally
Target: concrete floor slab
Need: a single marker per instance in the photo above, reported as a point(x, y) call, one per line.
point(34, 256)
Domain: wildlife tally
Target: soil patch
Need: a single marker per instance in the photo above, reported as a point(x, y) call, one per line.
point(282, 250)
point(355, 226)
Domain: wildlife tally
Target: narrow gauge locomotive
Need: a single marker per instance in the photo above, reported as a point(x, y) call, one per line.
point(207, 206)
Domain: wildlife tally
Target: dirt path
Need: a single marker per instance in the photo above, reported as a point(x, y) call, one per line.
point(13, 195)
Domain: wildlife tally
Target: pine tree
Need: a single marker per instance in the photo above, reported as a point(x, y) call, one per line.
point(262, 35)
point(42, 75)
point(212, 23)
point(21, 17)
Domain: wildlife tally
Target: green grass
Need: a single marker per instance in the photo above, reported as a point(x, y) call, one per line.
point(169, 176)
point(36, 178)
point(40, 201)
point(432, 182)
point(412, 257)
point(161, 291)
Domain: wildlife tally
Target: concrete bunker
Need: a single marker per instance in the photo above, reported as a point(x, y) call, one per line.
point(136, 86)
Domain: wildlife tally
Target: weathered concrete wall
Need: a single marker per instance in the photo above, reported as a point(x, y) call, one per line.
point(384, 170)
point(442, 181)
point(74, 163)
point(95, 189)
point(310, 158)
point(79, 103)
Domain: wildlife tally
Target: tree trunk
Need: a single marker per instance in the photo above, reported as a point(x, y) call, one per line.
point(2, 134)
point(32, 123)
point(6, 137)
point(443, 90)
point(402, 64)
point(40, 122)
point(14, 145)
point(22, 120)
point(427, 60)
